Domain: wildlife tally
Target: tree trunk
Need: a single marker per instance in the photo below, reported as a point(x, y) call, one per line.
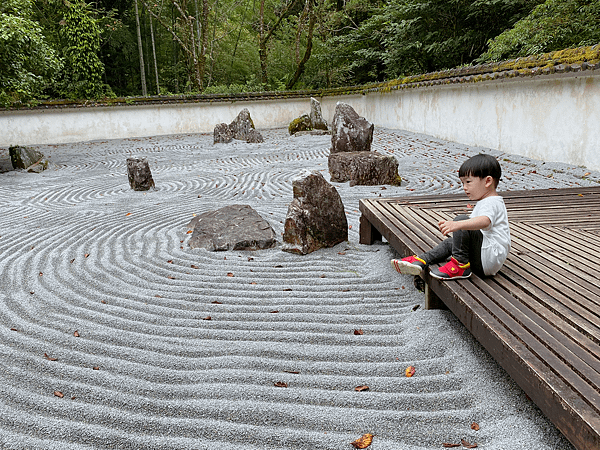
point(311, 26)
point(139, 37)
point(262, 43)
point(154, 56)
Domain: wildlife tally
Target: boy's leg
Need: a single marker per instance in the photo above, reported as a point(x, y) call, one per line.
point(466, 255)
point(414, 265)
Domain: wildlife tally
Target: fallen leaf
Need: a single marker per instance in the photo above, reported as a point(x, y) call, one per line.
point(359, 332)
point(59, 394)
point(13, 329)
point(216, 302)
point(446, 445)
point(73, 260)
point(250, 259)
point(194, 267)
point(410, 371)
point(350, 227)
point(229, 274)
point(414, 308)
point(274, 312)
point(322, 276)
point(170, 261)
point(128, 214)
point(475, 426)
point(86, 255)
point(76, 333)
point(254, 282)
point(363, 442)
point(189, 231)
point(467, 445)
point(96, 368)
point(103, 301)
point(361, 388)
point(291, 371)
point(287, 289)
point(587, 173)
point(50, 359)
point(207, 318)
point(341, 253)
point(31, 292)
point(580, 195)
point(41, 274)
point(280, 384)
point(171, 278)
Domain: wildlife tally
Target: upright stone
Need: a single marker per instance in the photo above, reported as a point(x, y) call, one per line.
point(242, 125)
point(222, 134)
point(350, 132)
point(316, 116)
point(363, 168)
point(315, 217)
point(139, 174)
point(234, 227)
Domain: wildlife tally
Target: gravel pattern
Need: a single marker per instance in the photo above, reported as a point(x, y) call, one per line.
point(181, 349)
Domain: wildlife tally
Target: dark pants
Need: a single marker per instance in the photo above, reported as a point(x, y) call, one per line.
point(463, 245)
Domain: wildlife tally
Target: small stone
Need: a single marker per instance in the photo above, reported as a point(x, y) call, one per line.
point(222, 134)
point(139, 174)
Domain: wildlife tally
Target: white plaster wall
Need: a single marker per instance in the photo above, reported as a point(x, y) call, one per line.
point(553, 118)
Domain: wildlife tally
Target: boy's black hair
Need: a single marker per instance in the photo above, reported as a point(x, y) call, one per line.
point(481, 166)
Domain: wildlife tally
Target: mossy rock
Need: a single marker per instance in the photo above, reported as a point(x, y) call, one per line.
point(302, 123)
point(23, 157)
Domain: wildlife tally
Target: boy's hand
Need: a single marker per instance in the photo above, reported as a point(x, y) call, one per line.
point(448, 226)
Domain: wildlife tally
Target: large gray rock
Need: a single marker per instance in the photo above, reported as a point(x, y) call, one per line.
point(24, 157)
point(139, 174)
point(222, 134)
point(242, 125)
point(363, 168)
point(350, 132)
point(234, 227)
point(315, 217)
point(316, 116)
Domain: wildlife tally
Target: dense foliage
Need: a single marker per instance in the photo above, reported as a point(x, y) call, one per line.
point(89, 50)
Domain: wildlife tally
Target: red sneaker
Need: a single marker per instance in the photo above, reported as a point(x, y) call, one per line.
point(411, 265)
point(452, 270)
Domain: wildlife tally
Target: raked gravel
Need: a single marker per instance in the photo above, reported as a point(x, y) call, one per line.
point(80, 251)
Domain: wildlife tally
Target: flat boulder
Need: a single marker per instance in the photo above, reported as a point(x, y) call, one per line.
point(28, 159)
point(299, 125)
point(139, 174)
point(222, 134)
point(363, 168)
point(234, 227)
point(350, 132)
point(316, 217)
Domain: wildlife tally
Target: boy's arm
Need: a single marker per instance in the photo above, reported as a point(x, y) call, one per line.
point(474, 223)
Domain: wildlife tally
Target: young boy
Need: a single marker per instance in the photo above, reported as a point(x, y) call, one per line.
point(480, 242)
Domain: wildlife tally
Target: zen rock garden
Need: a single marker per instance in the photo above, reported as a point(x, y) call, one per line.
point(316, 218)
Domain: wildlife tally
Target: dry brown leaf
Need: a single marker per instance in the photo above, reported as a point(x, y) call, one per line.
point(170, 277)
point(363, 442)
point(254, 282)
point(587, 173)
point(350, 227)
point(128, 214)
point(59, 394)
point(41, 274)
point(467, 445)
point(250, 259)
point(170, 261)
point(103, 301)
point(207, 318)
point(50, 359)
point(13, 329)
point(73, 260)
point(280, 384)
point(291, 371)
point(361, 388)
point(410, 371)
point(580, 195)
point(96, 368)
point(475, 426)
point(189, 231)
point(76, 333)
point(216, 302)
point(287, 289)
point(229, 274)
point(274, 312)
point(359, 332)
point(194, 267)
point(447, 445)
point(341, 253)
point(86, 255)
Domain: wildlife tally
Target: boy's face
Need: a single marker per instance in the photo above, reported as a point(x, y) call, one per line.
point(478, 188)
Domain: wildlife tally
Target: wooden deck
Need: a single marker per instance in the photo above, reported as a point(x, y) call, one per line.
point(539, 317)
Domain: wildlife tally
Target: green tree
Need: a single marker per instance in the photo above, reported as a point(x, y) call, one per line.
point(80, 38)
point(553, 25)
point(27, 62)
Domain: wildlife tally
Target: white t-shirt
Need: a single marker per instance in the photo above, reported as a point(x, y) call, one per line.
point(496, 236)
